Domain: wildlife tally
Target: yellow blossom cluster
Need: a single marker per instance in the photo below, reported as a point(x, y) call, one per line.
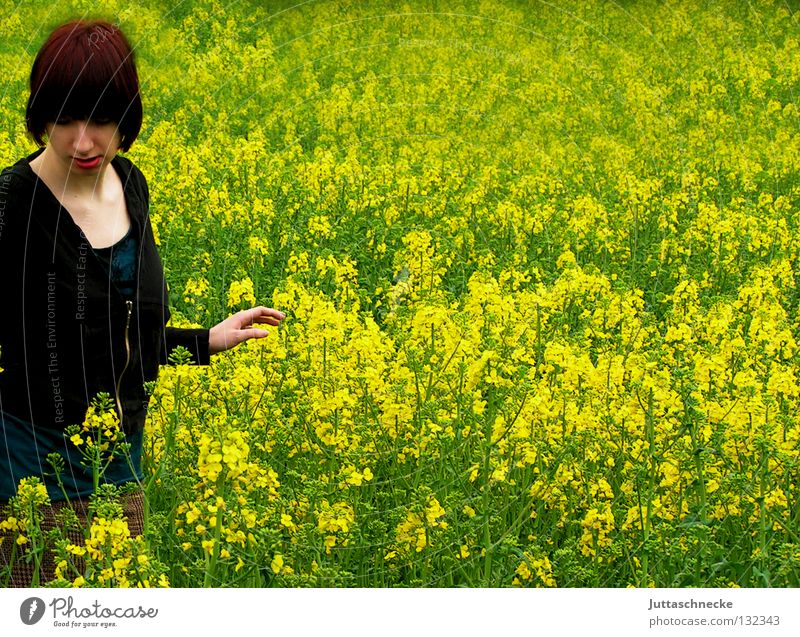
point(413, 533)
point(23, 518)
point(111, 558)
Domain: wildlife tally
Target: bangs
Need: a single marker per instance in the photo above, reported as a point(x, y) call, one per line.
point(83, 104)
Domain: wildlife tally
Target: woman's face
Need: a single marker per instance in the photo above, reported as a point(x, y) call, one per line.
point(84, 146)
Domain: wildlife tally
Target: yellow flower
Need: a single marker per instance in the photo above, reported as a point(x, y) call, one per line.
point(286, 521)
point(433, 512)
point(31, 492)
point(60, 568)
point(121, 563)
point(241, 292)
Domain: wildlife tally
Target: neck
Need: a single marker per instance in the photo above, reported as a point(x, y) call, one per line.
point(53, 170)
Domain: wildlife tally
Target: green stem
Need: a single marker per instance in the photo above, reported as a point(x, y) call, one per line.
point(211, 560)
point(35, 550)
point(487, 539)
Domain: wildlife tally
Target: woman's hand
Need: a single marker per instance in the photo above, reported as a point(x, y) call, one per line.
point(240, 327)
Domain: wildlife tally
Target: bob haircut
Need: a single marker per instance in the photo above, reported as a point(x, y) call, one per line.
point(85, 71)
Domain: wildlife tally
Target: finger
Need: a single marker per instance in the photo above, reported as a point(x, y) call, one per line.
point(262, 315)
point(244, 318)
point(262, 320)
point(265, 312)
point(252, 333)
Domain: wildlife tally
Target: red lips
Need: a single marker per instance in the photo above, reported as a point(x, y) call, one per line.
point(88, 163)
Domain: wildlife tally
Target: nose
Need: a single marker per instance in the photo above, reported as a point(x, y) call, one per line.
point(83, 138)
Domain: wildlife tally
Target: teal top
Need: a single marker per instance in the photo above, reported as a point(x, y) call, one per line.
point(24, 449)
point(120, 260)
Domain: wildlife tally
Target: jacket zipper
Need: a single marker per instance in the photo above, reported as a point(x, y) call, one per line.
point(127, 358)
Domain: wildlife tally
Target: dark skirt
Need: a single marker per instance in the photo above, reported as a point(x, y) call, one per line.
point(21, 574)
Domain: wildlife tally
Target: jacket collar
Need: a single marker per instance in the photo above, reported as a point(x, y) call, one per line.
point(122, 165)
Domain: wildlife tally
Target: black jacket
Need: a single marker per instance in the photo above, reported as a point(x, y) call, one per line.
point(66, 333)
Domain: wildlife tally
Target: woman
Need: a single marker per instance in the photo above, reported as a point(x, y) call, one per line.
point(85, 303)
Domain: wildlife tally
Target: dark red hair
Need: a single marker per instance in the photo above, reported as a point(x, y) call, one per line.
point(85, 70)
